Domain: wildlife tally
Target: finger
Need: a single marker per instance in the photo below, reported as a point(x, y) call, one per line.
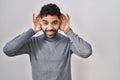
point(38, 16)
point(68, 17)
point(33, 17)
point(62, 16)
point(65, 18)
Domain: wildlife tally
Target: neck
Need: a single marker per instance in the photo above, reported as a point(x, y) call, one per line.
point(56, 37)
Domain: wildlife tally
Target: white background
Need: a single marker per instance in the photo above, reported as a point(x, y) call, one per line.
point(97, 21)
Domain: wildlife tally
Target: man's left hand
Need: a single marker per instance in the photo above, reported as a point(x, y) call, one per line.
point(65, 22)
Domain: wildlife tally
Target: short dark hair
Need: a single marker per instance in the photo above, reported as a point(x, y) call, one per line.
point(50, 9)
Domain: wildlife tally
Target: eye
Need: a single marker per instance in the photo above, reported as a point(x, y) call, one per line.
point(55, 22)
point(45, 23)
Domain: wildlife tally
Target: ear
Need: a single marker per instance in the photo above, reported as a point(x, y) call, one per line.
point(60, 21)
point(61, 17)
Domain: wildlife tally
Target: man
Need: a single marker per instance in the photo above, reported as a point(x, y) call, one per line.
point(50, 53)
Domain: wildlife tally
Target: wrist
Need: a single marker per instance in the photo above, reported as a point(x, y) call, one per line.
point(67, 30)
point(34, 30)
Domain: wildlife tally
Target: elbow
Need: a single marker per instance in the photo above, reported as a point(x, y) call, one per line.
point(87, 53)
point(8, 51)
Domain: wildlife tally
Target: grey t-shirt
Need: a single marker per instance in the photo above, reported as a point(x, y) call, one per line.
point(50, 58)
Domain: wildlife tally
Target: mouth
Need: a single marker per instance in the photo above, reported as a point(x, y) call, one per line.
point(50, 33)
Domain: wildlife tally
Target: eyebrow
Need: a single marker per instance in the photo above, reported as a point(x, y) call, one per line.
point(45, 20)
point(55, 21)
point(52, 21)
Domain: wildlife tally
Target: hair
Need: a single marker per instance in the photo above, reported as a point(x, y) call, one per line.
point(50, 9)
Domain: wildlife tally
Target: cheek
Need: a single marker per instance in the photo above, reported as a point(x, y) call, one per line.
point(56, 27)
point(43, 27)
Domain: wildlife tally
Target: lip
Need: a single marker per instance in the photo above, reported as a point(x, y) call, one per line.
point(50, 32)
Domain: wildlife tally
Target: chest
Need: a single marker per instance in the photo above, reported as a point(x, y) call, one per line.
point(47, 51)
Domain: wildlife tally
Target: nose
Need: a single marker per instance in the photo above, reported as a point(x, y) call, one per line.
point(50, 27)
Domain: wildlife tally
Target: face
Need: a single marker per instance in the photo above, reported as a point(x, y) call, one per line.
point(50, 25)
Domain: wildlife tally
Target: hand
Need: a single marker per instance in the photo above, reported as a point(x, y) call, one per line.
point(65, 22)
point(36, 26)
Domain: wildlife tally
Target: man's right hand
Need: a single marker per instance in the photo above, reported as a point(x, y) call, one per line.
point(36, 26)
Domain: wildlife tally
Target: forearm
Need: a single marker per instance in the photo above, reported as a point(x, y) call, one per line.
point(15, 44)
point(82, 48)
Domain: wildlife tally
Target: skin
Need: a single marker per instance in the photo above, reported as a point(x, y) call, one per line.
point(50, 24)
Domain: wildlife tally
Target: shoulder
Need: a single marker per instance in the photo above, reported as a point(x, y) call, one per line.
point(63, 37)
point(37, 38)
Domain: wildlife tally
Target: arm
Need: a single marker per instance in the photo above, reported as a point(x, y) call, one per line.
point(19, 44)
point(79, 46)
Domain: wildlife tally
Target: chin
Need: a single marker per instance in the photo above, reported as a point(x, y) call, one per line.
point(51, 36)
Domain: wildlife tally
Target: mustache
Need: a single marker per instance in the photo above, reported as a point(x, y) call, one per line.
point(53, 30)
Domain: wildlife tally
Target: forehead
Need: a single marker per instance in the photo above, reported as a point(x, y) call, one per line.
point(49, 18)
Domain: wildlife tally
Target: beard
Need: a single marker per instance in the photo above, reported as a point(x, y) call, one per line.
point(50, 33)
